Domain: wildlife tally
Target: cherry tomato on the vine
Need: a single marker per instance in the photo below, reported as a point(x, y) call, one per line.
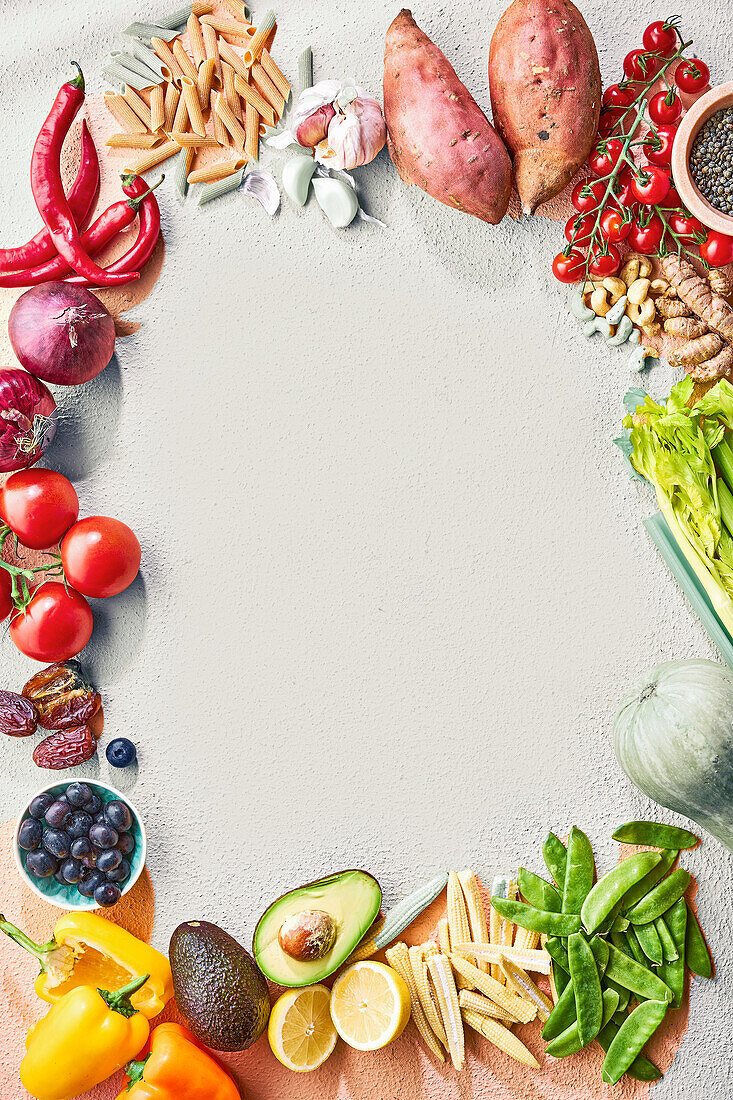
point(665, 108)
point(717, 250)
point(614, 226)
point(617, 95)
point(650, 185)
point(39, 506)
point(6, 600)
point(604, 262)
point(692, 76)
point(671, 199)
point(606, 156)
point(587, 195)
point(607, 122)
point(622, 188)
point(100, 556)
point(658, 147)
point(684, 225)
point(661, 37)
point(570, 268)
point(578, 229)
point(641, 65)
point(646, 236)
point(56, 624)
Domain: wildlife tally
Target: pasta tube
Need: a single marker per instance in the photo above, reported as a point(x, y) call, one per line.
point(123, 113)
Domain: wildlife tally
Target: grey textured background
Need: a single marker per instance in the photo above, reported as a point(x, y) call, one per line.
point(394, 579)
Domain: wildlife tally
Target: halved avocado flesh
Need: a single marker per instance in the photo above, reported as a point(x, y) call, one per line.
point(352, 898)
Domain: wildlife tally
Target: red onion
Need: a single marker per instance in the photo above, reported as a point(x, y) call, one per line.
point(28, 419)
point(61, 333)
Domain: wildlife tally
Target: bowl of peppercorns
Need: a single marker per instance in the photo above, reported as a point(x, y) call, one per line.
point(80, 845)
point(702, 159)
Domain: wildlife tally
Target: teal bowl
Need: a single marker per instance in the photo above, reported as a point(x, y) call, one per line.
point(68, 897)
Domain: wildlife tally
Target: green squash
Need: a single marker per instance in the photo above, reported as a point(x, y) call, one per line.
point(673, 737)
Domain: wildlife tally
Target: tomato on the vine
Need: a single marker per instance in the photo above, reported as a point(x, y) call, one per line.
point(617, 95)
point(622, 188)
point(614, 225)
point(6, 598)
point(661, 37)
point(587, 195)
point(650, 185)
point(579, 228)
point(607, 122)
point(717, 249)
point(658, 147)
point(641, 65)
point(39, 506)
point(56, 624)
point(684, 225)
point(100, 556)
point(606, 156)
point(605, 261)
point(665, 108)
point(568, 268)
point(692, 76)
point(672, 199)
point(646, 236)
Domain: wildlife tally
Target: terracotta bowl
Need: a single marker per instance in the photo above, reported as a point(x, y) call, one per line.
point(714, 100)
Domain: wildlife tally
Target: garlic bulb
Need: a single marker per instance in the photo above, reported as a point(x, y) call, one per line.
point(356, 133)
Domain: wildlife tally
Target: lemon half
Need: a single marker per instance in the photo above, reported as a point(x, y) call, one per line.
point(370, 1005)
point(301, 1033)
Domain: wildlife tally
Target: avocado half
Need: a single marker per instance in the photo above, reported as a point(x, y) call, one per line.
point(352, 898)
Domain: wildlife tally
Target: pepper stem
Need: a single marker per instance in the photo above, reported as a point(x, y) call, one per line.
point(135, 200)
point(38, 950)
point(119, 1000)
point(134, 1071)
point(78, 81)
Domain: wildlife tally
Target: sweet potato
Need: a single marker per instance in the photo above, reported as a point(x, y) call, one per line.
point(545, 94)
point(439, 138)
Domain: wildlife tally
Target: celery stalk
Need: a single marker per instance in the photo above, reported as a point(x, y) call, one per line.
point(723, 457)
point(725, 500)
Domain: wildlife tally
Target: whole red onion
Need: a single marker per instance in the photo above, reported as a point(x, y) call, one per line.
point(28, 419)
point(61, 333)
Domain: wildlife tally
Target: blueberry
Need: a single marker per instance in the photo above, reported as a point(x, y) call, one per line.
point(89, 861)
point(57, 813)
point(57, 843)
point(41, 864)
point(109, 860)
point(107, 894)
point(118, 815)
point(121, 752)
point(71, 871)
point(78, 794)
point(82, 846)
point(79, 824)
point(126, 844)
point(40, 804)
point(120, 874)
point(58, 875)
point(103, 836)
point(89, 882)
point(94, 805)
point(29, 834)
point(99, 818)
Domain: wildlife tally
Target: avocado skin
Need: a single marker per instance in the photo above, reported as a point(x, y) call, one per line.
point(220, 991)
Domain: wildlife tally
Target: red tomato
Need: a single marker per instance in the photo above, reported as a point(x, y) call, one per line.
point(570, 268)
point(100, 556)
point(650, 185)
point(646, 237)
point(717, 250)
point(692, 76)
point(672, 199)
point(606, 262)
point(578, 229)
point(684, 225)
point(617, 95)
point(641, 65)
point(6, 601)
point(607, 123)
point(39, 506)
point(614, 226)
point(661, 37)
point(56, 624)
point(658, 147)
point(588, 195)
point(622, 188)
point(665, 108)
point(605, 156)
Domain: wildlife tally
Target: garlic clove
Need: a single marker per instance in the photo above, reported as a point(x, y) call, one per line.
point(337, 201)
point(297, 176)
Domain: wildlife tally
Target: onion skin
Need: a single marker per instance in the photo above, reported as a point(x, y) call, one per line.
point(28, 420)
point(61, 333)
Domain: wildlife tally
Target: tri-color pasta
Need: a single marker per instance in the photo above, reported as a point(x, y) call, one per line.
point(154, 157)
point(196, 39)
point(220, 170)
point(190, 93)
point(259, 40)
point(123, 113)
point(134, 141)
point(157, 107)
point(138, 105)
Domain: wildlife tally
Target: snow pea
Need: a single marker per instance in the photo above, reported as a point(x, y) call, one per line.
point(537, 892)
point(661, 898)
point(631, 975)
point(568, 1042)
point(654, 834)
point(697, 953)
point(537, 920)
point(636, 949)
point(587, 985)
point(620, 924)
point(641, 1069)
point(579, 872)
point(555, 856)
point(673, 973)
point(650, 942)
point(642, 888)
point(557, 952)
point(562, 1015)
point(599, 948)
point(610, 889)
point(669, 948)
point(635, 1031)
point(624, 995)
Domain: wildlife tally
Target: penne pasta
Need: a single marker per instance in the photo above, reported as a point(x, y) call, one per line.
point(305, 70)
point(190, 95)
point(212, 50)
point(121, 110)
point(149, 57)
point(125, 61)
point(230, 55)
point(201, 7)
point(280, 81)
point(183, 167)
point(233, 125)
point(228, 27)
point(178, 18)
point(155, 156)
point(166, 55)
point(268, 89)
point(251, 95)
point(138, 105)
point(196, 39)
point(157, 107)
point(238, 9)
point(221, 187)
point(263, 130)
point(172, 95)
point(185, 63)
point(259, 40)
point(134, 141)
point(207, 69)
point(195, 141)
point(220, 131)
point(218, 171)
point(251, 132)
point(149, 31)
point(180, 120)
point(230, 91)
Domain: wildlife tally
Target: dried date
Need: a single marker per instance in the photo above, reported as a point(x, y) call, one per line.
point(65, 749)
point(18, 716)
point(63, 698)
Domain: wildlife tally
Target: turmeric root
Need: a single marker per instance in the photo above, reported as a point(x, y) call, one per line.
point(721, 282)
point(689, 327)
point(700, 350)
point(720, 366)
point(696, 293)
point(672, 307)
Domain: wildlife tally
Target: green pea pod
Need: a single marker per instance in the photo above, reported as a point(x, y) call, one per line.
point(606, 925)
point(697, 952)
point(653, 834)
point(631, 975)
point(562, 1015)
point(620, 942)
point(673, 973)
point(587, 985)
point(569, 1041)
point(537, 892)
point(624, 995)
point(555, 856)
point(600, 951)
point(635, 1031)
point(650, 942)
point(661, 898)
point(669, 948)
point(641, 1069)
point(620, 924)
point(642, 888)
point(579, 872)
point(636, 949)
point(558, 952)
point(609, 890)
point(537, 920)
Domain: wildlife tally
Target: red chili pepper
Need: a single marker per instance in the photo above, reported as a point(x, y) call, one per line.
point(81, 195)
point(149, 228)
point(48, 190)
point(115, 218)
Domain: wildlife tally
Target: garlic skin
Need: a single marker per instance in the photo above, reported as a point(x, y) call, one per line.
point(356, 134)
point(314, 128)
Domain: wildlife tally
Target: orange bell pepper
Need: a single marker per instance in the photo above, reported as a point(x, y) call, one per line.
point(177, 1068)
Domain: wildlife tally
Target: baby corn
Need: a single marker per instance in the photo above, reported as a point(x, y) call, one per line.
point(447, 994)
point(501, 1037)
point(495, 991)
point(476, 1002)
point(444, 936)
point(398, 958)
point(475, 910)
point(537, 961)
point(518, 980)
point(420, 974)
point(367, 947)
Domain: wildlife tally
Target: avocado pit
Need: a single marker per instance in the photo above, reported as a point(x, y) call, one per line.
point(307, 935)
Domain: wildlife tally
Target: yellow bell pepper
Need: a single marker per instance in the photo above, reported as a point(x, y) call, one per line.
point(86, 949)
point(84, 1038)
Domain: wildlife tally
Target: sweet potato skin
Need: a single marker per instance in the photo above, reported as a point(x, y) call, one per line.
point(438, 136)
point(545, 86)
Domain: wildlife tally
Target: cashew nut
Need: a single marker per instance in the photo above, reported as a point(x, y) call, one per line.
point(635, 267)
point(578, 308)
point(617, 311)
point(598, 302)
point(599, 324)
point(641, 313)
point(615, 287)
point(638, 291)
